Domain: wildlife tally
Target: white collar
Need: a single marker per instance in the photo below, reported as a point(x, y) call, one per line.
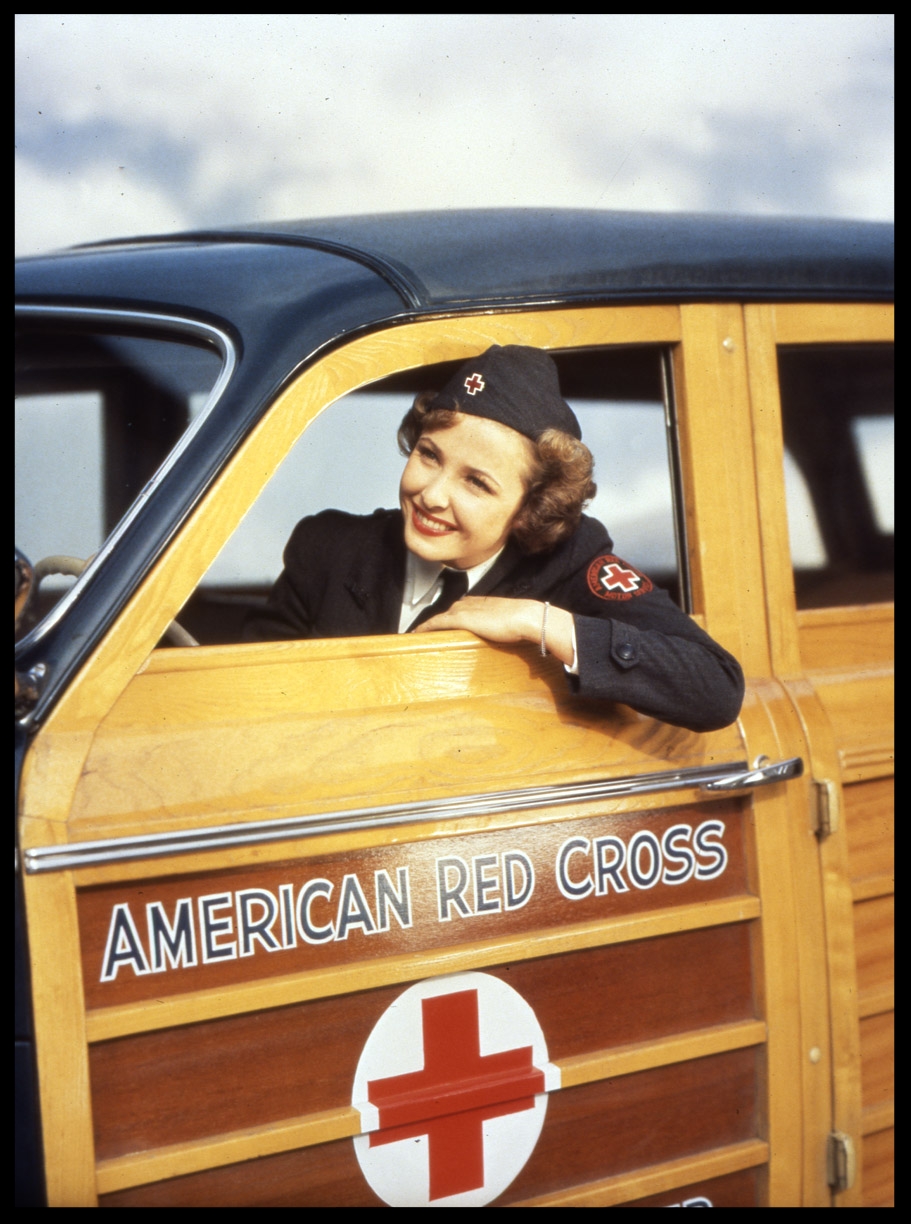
point(422, 576)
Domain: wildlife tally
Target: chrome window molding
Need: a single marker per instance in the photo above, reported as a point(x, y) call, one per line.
point(731, 776)
point(142, 320)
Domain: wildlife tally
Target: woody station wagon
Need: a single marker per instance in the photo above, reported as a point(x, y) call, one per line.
point(397, 920)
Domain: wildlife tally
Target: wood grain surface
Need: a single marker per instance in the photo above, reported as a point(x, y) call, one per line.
point(168, 1087)
point(589, 1132)
point(483, 910)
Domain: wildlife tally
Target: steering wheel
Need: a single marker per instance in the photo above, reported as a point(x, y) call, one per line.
point(72, 567)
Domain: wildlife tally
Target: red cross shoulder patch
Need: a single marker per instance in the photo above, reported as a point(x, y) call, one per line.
point(611, 578)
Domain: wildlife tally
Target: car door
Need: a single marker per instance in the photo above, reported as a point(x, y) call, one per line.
point(821, 381)
point(245, 863)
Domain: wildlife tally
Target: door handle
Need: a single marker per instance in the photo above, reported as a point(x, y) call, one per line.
point(763, 773)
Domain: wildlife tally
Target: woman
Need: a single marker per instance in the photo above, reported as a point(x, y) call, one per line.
point(491, 503)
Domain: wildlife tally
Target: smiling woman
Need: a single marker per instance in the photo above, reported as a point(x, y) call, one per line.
point(494, 487)
point(462, 489)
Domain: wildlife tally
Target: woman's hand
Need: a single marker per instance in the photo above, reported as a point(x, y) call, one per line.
point(508, 620)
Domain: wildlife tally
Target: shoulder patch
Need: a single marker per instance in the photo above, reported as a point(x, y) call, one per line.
point(611, 578)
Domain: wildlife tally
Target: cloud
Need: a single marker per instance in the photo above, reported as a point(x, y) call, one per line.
point(97, 202)
point(213, 120)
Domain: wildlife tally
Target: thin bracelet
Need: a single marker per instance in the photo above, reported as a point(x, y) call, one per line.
point(544, 630)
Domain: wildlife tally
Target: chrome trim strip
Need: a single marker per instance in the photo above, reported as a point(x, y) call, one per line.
point(762, 774)
point(142, 319)
point(249, 833)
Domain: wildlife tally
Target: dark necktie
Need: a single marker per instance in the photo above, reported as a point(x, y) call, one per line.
point(455, 584)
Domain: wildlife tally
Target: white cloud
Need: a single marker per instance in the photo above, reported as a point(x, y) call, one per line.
point(863, 189)
point(220, 118)
point(96, 203)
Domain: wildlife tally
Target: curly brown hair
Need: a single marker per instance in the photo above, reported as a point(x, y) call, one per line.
point(558, 489)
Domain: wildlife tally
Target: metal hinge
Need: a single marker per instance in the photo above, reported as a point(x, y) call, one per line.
point(841, 1161)
point(826, 808)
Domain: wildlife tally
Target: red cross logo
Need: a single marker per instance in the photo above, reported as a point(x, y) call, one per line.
point(614, 577)
point(611, 578)
point(474, 383)
point(458, 1090)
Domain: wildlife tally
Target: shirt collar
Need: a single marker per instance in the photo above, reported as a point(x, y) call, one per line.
point(421, 576)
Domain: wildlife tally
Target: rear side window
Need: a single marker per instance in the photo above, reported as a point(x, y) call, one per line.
point(838, 413)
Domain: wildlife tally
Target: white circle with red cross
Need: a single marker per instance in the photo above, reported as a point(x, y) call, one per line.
point(452, 1088)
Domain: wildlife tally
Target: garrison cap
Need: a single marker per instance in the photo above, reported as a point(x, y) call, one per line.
point(515, 385)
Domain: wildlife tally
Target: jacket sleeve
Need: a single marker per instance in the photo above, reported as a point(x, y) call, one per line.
point(680, 680)
point(637, 647)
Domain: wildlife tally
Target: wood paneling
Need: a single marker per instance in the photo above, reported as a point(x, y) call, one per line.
point(736, 1190)
point(879, 1169)
point(169, 1087)
point(589, 1132)
point(860, 706)
point(874, 935)
point(870, 819)
point(62, 1056)
point(181, 766)
point(712, 400)
point(324, 1176)
point(833, 322)
point(482, 853)
point(672, 1178)
point(877, 1054)
point(847, 637)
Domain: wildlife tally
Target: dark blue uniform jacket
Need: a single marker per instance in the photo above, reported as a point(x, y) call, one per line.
point(344, 576)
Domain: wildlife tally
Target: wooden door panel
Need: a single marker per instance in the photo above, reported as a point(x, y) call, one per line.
point(741, 1189)
point(877, 1050)
point(879, 1168)
point(339, 909)
point(861, 711)
point(673, 1002)
point(230, 992)
point(266, 731)
point(838, 664)
point(183, 1084)
point(870, 821)
point(874, 938)
point(856, 636)
point(589, 1132)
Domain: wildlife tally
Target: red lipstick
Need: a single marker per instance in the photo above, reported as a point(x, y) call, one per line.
point(422, 527)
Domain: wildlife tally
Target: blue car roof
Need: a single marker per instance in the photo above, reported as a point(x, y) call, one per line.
point(476, 257)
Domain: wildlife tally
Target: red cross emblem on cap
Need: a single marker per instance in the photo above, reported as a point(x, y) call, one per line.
point(474, 383)
point(459, 1088)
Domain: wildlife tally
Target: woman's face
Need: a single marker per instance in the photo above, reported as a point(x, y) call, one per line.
point(461, 490)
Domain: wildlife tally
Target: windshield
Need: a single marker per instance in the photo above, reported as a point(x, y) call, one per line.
point(97, 413)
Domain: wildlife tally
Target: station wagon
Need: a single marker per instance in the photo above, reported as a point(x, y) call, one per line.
point(397, 920)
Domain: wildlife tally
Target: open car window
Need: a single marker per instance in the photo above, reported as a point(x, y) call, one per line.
point(838, 411)
point(348, 459)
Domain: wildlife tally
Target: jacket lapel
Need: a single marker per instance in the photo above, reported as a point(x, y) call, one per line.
point(507, 577)
point(519, 576)
point(376, 579)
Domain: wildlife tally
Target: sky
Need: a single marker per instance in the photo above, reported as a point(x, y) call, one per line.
point(132, 124)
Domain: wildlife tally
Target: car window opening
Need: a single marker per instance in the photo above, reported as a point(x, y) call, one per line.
point(348, 459)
